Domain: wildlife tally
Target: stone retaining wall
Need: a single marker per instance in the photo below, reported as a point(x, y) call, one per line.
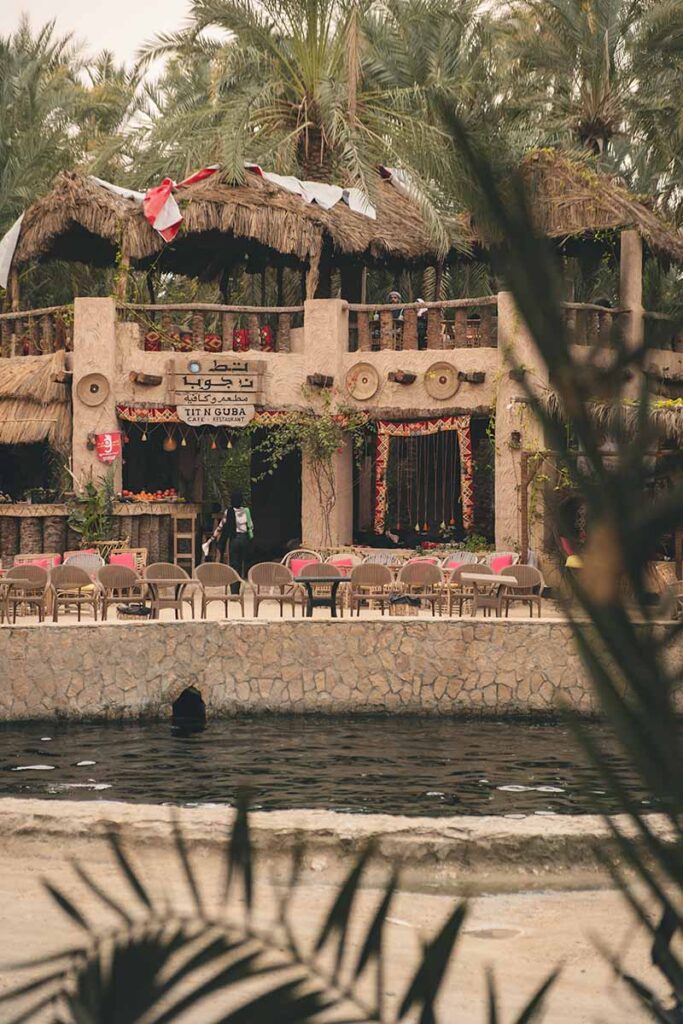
point(446, 667)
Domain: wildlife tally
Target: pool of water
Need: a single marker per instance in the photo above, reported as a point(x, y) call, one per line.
point(401, 765)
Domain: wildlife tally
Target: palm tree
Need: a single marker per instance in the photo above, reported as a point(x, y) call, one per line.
point(576, 66)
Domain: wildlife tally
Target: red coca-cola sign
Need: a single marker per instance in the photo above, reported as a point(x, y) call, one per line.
point(108, 446)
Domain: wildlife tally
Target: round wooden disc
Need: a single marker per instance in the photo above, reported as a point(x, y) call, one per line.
point(362, 381)
point(441, 380)
point(93, 389)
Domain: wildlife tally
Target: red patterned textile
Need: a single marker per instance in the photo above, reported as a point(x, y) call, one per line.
point(415, 428)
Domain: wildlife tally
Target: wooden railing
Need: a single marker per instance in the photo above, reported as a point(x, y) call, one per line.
point(454, 323)
point(664, 331)
point(36, 331)
point(588, 324)
point(184, 327)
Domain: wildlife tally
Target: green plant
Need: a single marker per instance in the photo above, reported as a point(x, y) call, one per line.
point(320, 435)
point(90, 512)
point(159, 962)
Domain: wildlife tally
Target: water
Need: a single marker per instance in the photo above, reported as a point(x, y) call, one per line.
point(399, 765)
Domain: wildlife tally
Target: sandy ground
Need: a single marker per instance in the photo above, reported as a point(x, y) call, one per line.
point(522, 935)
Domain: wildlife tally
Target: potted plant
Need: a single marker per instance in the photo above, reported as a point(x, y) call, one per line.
point(91, 512)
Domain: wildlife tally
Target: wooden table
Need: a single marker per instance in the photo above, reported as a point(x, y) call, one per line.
point(322, 602)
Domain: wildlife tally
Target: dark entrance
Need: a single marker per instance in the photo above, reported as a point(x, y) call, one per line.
point(423, 480)
point(275, 503)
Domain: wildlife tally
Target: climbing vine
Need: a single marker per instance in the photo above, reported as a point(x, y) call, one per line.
point(320, 433)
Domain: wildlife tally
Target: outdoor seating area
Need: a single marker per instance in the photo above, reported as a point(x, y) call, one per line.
point(305, 583)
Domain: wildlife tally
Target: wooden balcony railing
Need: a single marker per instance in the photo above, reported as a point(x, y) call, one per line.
point(184, 327)
point(664, 331)
point(588, 324)
point(33, 332)
point(455, 323)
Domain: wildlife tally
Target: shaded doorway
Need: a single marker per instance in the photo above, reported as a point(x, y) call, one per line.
point(423, 486)
point(275, 502)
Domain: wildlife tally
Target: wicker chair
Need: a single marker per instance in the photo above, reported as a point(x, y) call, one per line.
point(457, 558)
point(384, 558)
point(139, 557)
point(71, 585)
point(493, 555)
point(216, 580)
point(343, 556)
point(323, 569)
point(300, 553)
point(273, 581)
point(33, 595)
point(177, 596)
point(424, 580)
point(370, 582)
point(85, 561)
point(529, 583)
point(118, 585)
point(52, 556)
point(460, 590)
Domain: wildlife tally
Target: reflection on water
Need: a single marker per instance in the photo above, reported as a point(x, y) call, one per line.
point(399, 765)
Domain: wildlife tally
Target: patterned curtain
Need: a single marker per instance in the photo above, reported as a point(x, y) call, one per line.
point(415, 428)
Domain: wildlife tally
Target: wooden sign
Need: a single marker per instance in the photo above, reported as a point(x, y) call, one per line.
point(216, 415)
point(108, 446)
point(216, 391)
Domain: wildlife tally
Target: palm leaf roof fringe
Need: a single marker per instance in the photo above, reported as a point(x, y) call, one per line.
point(82, 220)
point(32, 406)
point(614, 419)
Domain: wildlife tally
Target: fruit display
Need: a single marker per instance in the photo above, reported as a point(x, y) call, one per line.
point(170, 494)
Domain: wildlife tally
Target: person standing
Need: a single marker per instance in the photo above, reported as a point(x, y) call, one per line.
point(237, 529)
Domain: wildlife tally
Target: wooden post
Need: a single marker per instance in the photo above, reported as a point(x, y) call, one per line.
point(228, 329)
point(410, 329)
point(438, 278)
point(570, 325)
point(254, 329)
point(678, 551)
point(386, 329)
point(487, 329)
point(283, 340)
point(364, 332)
point(197, 330)
point(434, 314)
point(460, 327)
point(122, 278)
point(47, 343)
point(280, 286)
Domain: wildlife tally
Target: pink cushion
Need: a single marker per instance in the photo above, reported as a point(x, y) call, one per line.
point(429, 561)
point(451, 564)
point(297, 564)
point(42, 563)
point(343, 563)
point(501, 563)
point(126, 558)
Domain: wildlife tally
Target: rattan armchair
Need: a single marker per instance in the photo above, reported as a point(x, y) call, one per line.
point(424, 580)
point(458, 589)
point(86, 561)
point(370, 582)
point(172, 595)
point(273, 581)
point(33, 595)
point(527, 588)
point(71, 585)
point(118, 584)
point(300, 553)
point(216, 580)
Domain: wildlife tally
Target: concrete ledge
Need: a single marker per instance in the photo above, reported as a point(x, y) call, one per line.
point(439, 666)
point(458, 853)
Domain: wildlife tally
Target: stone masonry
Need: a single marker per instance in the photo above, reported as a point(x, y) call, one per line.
point(124, 670)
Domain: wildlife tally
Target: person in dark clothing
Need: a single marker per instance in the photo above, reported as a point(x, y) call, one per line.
point(237, 529)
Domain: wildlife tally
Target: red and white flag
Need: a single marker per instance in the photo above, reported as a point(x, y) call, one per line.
point(160, 207)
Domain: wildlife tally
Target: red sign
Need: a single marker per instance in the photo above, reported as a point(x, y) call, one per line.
point(108, 446)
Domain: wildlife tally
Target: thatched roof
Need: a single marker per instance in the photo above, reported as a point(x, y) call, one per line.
point(32, 406)
point(665, 416)
point(570, 199)
point(82, 220)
